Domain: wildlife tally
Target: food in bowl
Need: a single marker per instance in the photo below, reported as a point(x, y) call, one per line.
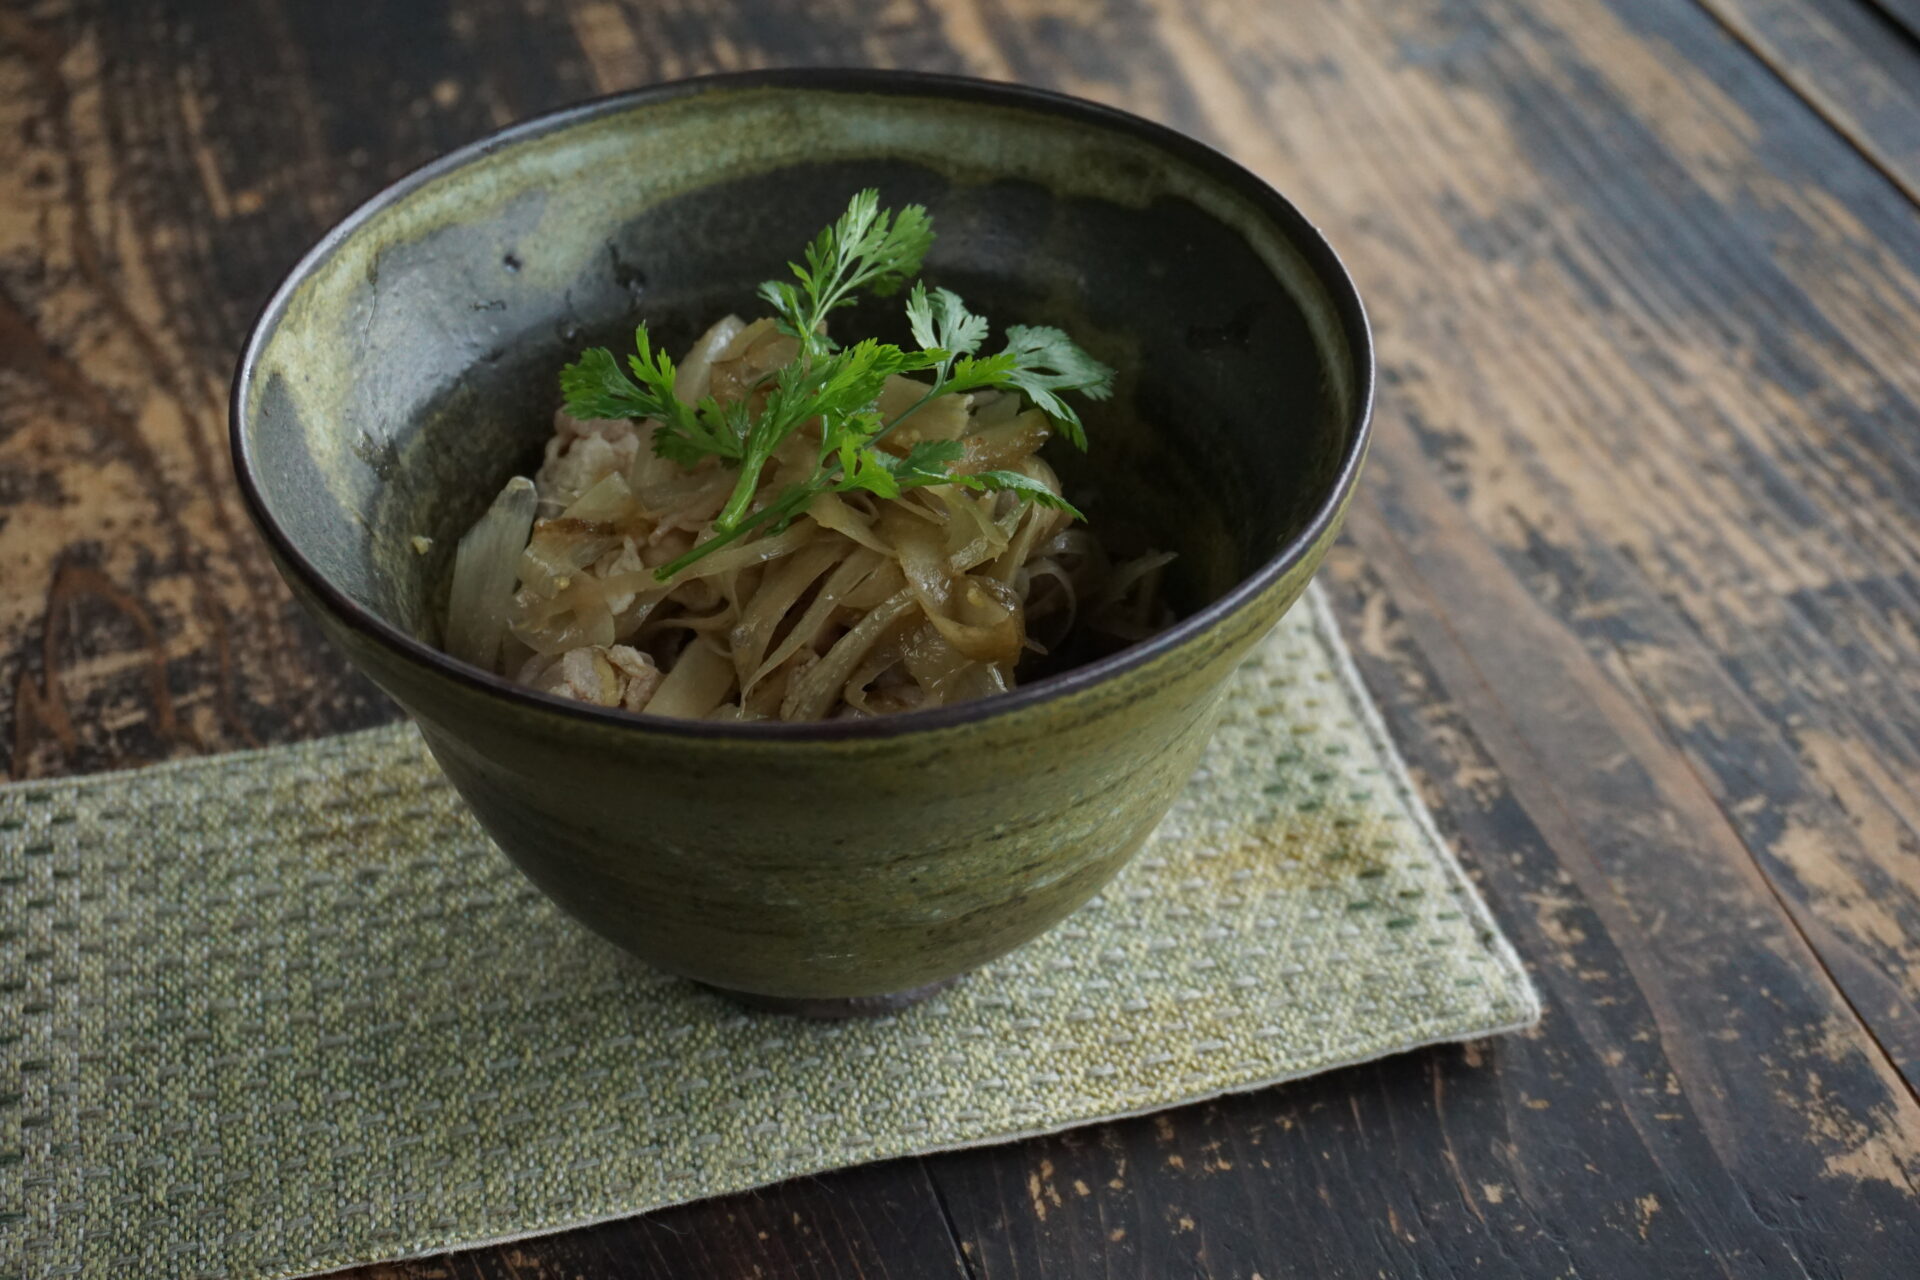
point(784, 527)
point(837, 865)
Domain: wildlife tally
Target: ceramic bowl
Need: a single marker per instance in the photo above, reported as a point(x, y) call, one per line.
point(408, 366)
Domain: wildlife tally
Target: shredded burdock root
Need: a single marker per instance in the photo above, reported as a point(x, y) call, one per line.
point(778, 528)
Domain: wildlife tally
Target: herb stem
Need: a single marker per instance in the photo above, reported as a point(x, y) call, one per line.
point(784, 506)
point(742, 496)
point(933, 393)
point(793, 500)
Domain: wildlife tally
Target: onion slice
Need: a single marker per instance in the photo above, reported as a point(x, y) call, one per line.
point(485, 566)
point(699, 682)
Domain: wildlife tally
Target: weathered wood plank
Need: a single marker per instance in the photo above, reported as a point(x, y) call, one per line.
point(1856, 61)
point(1636, 579)
point(1648, 350)
point(881, 1222)
point(142, 617)
point(1903, 13)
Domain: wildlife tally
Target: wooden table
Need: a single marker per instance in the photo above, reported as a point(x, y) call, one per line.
point(1635, 573)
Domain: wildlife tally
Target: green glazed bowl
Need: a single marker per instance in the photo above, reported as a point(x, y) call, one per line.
point(408, 366)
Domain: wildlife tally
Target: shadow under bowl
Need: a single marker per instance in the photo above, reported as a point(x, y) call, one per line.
point(408, 366)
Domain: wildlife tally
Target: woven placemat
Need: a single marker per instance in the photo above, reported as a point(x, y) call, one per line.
point(281, 1012)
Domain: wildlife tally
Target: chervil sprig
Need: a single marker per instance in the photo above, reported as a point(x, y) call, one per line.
point(833, 388)
point(1038, 360)
point(866, 248)
point(594, 386)
point(1043, 362)
point(929, 462)
point(941, 323)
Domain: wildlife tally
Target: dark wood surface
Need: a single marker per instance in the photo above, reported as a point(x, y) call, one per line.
point(1635, 573)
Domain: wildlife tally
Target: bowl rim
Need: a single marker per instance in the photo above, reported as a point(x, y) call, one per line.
point(1305, 237)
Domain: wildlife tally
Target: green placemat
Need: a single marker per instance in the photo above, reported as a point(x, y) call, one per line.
point(285, 1011)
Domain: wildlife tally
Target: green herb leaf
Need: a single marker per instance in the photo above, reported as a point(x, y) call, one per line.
point(868, 248)
point(1046, 362)
point(870, 470)
point(943, 326)
point(1024, 486)
point(929, 462)
point(1038, 360)
point(595, 387)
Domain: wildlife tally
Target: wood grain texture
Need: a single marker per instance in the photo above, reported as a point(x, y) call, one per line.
point(1855, 62)
point(1645, 358)
point(1903, 13)
point(1636, 574)
point(881, 1222)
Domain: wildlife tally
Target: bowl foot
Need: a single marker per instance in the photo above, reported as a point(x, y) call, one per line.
point(834, 1007)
